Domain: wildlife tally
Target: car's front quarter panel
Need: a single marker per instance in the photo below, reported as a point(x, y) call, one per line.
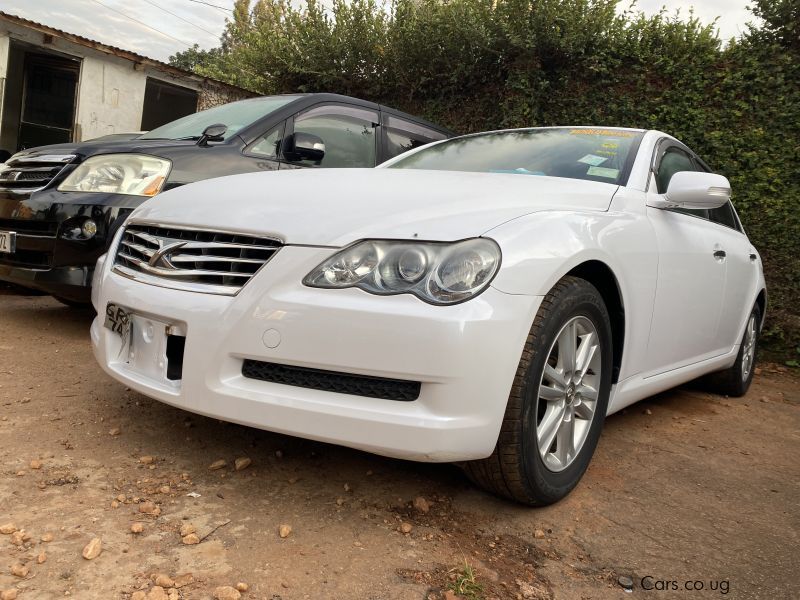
point(465, 357)
point(541, 248)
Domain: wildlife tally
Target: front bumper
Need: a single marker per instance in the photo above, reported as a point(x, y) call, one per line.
point(464, 356)
point(70, 283)
point(44, 258)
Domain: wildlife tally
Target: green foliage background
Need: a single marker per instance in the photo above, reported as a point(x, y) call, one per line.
point(485, 64)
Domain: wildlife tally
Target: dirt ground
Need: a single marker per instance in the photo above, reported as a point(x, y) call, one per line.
point(686, 489)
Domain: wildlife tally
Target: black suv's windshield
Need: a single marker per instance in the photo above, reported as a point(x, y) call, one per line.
point(577, 153)
point(236, 115)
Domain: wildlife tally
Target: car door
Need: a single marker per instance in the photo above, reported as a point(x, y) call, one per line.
point(265, 152)
point(741, 274)
point(691, 274)
point(401, 135)
point(349, 133)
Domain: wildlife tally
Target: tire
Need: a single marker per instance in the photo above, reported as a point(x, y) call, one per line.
point(735, 381)
point(517, 469)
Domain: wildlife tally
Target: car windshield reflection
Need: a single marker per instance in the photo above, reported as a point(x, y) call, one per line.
point(604, 155)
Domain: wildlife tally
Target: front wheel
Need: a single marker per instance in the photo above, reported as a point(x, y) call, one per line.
point(558, 401)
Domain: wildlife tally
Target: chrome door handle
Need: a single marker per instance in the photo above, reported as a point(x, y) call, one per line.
point(720, 254)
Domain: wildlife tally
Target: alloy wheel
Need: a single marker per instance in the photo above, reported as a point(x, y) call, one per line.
point(568, 391)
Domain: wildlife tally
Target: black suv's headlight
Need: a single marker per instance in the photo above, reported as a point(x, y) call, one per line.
point(134, 174)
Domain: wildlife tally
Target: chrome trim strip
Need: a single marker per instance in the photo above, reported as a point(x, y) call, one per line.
point(189, 245)
point(23, 190)
point(181, 272)
point(186, 286)
point(209, 258)
point(46, 158)
point(162, 225)
point(34, 235)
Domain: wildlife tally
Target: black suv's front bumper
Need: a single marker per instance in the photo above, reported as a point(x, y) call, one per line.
point(47, 256)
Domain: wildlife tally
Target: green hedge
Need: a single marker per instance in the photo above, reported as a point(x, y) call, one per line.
point(484, 64)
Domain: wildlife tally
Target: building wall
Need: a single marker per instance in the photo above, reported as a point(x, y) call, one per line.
point(111, 89)
point(212, 94)
point(11, 105)
point(110, 97)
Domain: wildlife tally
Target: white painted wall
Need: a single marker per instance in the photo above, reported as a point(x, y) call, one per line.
point(111, 89)
point(110, 97)
point(4, 43)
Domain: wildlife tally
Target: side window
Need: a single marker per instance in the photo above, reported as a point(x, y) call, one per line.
point(348, 133)
point(401, 136)
point(724, 216)
point(269, 144)
point(673, 161)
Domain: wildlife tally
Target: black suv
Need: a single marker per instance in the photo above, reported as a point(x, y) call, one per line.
point(60, 205)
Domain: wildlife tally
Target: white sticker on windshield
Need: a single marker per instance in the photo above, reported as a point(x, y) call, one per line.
point(603, 172)
point(592, 159)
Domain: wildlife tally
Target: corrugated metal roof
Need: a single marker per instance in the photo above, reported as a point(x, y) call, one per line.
point(112, 50)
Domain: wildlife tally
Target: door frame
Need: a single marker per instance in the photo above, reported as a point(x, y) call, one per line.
point(33, 55)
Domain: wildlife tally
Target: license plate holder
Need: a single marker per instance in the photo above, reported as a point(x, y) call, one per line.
point(145, 345)
point(8, 242)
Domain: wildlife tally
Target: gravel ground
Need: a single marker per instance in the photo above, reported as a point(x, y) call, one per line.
point(684, 487)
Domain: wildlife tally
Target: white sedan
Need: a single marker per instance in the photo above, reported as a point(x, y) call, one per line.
point(487, 299)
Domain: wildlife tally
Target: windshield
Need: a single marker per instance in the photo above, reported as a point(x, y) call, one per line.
point(236, 115)
point(592, 154)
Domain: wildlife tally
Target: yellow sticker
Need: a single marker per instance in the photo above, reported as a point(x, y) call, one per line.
point(609, 132)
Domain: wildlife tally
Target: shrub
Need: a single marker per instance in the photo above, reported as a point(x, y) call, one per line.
point(484, 64)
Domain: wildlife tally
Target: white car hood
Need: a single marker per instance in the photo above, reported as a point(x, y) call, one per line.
point(334, 207)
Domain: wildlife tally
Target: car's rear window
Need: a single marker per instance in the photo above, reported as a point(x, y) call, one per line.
point(236, 116)
point(593, 154)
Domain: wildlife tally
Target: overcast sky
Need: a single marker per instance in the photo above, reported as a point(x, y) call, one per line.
point(147, 27)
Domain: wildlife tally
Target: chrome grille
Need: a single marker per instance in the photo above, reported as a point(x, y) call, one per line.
point(31, 173)
point(196, 260)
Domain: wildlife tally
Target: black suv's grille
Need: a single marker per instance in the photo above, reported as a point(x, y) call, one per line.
point(332, 381)
point(31, 173)
point(201, 261)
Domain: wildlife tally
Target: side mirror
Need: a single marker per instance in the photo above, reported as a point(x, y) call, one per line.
point(305, 146)
point(690, 189)
point(212, 133)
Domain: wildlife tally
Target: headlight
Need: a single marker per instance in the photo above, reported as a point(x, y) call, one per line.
point(134, 174)
point(438, 273)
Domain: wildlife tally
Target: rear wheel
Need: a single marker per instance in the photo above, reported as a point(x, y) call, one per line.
point(558, 402)
point(736, 380)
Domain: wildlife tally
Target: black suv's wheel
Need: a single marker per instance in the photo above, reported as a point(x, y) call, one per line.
point(736, 380)
point(558, 401)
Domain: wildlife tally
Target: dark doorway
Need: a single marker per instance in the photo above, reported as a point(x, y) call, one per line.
point(164, 103)
point(48, 100)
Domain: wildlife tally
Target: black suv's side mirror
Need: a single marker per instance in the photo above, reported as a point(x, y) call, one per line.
point(212, 133)
point(305, 146)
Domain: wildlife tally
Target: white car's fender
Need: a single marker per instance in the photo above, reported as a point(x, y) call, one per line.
point(540, 249)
